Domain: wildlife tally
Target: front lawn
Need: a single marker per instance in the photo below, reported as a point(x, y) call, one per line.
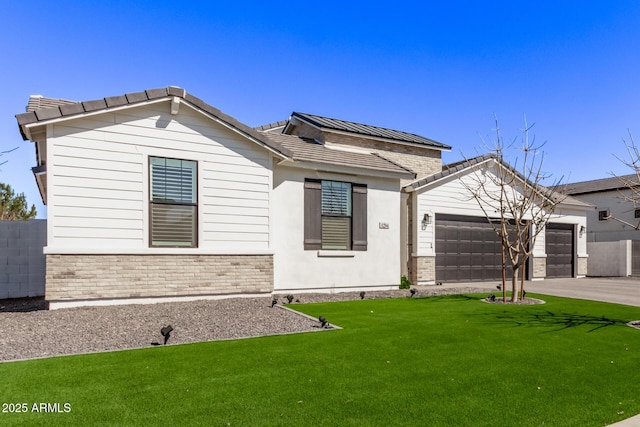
point(437, 361)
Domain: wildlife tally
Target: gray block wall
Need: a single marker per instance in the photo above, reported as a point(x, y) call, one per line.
point(609, 259)
point(22, 263)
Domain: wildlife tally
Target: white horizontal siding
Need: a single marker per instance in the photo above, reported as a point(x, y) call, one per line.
point(454, 197)
point(236, 211)
point(239, 193)
point(98, 233)
point(98, 174)
point(96, 204)
point(235, 202)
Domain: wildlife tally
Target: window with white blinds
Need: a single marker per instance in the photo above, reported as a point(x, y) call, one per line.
point(173, 202)
point(336, 215)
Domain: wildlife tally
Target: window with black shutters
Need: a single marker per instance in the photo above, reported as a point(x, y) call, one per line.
point(335, 215)
point(173, 210)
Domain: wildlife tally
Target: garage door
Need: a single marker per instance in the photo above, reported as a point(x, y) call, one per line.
point(559, 247)
point(467, 249)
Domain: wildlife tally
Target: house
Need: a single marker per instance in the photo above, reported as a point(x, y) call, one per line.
point(615, 215)
point(612, 235)
point(157, 195)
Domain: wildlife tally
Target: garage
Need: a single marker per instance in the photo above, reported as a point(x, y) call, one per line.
point(560, 250)
point(467, 249)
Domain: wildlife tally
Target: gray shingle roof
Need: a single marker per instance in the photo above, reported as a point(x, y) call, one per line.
point(605, 184)
point(47, 109)
point(273, 127)
point(41, 109)
point(39, 102)
point(305, 150)
point(452, 168)
point(449, 169)
point(368, 130)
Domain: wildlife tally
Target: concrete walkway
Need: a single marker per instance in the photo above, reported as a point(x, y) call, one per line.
point(615, 290)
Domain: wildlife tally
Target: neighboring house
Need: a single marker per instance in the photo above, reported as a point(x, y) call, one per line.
point(158, 194)
point(610, 196)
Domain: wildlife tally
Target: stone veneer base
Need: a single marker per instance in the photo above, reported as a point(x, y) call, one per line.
point(109, 277)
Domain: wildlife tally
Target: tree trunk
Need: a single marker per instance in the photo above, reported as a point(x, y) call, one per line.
point(522, 267)
point(514, 284)
point(504, 277)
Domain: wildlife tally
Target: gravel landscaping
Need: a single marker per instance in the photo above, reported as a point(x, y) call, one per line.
point(28, 330)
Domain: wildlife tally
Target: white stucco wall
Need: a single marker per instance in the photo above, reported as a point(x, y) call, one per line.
point(296, 269)
point(98, 179)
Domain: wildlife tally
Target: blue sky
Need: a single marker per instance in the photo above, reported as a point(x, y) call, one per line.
point(437, 69)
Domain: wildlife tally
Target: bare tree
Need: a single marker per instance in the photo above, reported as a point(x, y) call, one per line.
point(2, 153)
point(514, 200)
point(630, 184)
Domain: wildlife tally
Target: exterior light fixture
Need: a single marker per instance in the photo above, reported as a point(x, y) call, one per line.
point(426, 220)
point(582, 230)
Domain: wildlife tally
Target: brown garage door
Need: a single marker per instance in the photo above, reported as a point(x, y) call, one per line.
point(559, 247)
point(467, 249)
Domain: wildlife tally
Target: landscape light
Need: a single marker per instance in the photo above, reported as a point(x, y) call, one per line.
point(323, 322)
point(166, 333)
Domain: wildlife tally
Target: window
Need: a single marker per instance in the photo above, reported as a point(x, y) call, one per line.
point(636, 213)
point(603, 215)
point(173, 202)
point(335, 215)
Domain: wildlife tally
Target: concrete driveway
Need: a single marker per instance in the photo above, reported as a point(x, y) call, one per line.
point(617, 290)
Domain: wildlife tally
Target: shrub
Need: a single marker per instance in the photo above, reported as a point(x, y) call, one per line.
point(405, 283)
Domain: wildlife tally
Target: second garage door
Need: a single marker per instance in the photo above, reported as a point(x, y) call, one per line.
point(559, 247)
point(467, 249)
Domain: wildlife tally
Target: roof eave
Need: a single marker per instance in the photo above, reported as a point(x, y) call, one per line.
point(40, 175)
point(296, 116)
point(438, 177)
point(345, 169)
point(37, 118)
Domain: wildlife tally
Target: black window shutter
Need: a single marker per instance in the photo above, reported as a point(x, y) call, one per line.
point(359, 212)
point(312, 215)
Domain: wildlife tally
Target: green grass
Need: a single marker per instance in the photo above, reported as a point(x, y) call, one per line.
point(438, 361)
